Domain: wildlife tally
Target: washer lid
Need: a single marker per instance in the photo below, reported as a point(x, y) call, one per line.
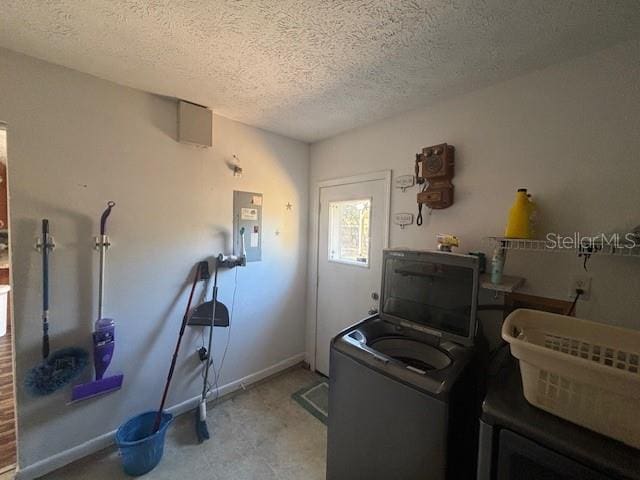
point(435, 292)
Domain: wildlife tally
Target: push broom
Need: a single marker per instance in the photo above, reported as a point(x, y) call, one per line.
point(202, 273)
point(104, 331)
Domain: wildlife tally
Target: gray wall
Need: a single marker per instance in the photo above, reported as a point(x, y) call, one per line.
point(75, 142)
point(570, 133)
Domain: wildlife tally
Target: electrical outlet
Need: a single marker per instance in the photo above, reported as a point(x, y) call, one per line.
point(582, 282)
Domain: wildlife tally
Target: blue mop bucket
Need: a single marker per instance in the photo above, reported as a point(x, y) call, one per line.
point(139, 450)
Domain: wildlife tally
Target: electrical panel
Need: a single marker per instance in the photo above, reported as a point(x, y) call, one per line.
point(247, 214)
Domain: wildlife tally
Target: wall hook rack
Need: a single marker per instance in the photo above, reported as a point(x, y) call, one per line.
point(38, 244)
point(403, 182)
point(102, 241)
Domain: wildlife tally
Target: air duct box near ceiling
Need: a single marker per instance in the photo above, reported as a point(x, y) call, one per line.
point(194, 124)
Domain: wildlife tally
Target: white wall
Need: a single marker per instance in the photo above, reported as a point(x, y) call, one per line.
point(570, 133)
point(75, 142)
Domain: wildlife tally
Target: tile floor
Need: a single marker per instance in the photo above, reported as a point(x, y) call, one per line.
point(258, 434)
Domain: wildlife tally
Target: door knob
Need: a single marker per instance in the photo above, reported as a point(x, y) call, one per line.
point(375, 296)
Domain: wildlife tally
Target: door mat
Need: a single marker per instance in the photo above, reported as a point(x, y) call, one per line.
point(315, 400)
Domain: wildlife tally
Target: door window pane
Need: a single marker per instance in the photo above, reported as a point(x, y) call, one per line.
point(349, 231)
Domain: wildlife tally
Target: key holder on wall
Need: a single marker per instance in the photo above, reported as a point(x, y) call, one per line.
point(434, 171)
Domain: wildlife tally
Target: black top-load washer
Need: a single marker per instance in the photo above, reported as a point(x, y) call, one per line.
point(403, 386)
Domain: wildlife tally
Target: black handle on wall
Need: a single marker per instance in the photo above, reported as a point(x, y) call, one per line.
point(45, 288)
point(105, 215)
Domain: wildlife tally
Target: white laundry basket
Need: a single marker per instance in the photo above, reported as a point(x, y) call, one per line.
point(585, 372)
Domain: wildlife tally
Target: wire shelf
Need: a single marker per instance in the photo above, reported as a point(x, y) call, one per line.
point(586, 248)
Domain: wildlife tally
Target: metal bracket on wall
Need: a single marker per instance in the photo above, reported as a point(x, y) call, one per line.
point(38, 244)
point(102, 242)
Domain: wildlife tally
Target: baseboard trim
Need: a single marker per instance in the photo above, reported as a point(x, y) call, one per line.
point(70, 455)
point(7, 469)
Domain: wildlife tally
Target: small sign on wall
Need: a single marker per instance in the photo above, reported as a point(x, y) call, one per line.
point(404, 181)
point(249, 214)
point(403, 219)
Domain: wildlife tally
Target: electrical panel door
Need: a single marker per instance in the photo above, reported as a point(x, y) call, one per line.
point(247, 214)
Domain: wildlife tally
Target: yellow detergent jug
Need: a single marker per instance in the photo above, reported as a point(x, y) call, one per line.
point(533, 216)
point(518, 224)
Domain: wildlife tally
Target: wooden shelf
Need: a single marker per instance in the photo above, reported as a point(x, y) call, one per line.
point(508, 284)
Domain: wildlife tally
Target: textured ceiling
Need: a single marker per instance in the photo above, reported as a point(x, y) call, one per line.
point(311, 68)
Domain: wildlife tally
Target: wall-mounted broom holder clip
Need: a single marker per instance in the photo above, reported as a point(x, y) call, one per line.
point(51, 244)
point(102, 241)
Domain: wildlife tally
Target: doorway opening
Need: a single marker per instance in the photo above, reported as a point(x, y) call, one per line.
point(350, 231)
point(7, 371)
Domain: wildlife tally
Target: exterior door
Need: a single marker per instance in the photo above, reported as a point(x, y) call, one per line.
point(353, 230)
